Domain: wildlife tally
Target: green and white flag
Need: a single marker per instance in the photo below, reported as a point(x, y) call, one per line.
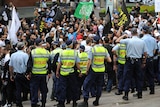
point(84, 10)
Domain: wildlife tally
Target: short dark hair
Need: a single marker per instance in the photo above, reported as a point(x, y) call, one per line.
point(88, 41)
point(134, 31)
point(106, 39)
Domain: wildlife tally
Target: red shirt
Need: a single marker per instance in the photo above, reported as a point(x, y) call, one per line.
point(79, 36)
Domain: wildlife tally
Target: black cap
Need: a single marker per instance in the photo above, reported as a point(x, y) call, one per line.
point(69, 42)
point(7, 41)
point(96, 38)
point(145, 28)
point(82, 47)
point(38, 41)
point(63, 46)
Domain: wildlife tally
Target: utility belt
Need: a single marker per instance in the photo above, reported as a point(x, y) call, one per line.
point(15, 73)
point(149, 57)
point(133, 60)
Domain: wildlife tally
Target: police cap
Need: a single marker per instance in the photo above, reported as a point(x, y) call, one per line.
point(69, 42)
point(96, 38)
point(82, 47)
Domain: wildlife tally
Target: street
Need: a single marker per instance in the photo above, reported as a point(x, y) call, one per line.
point(112, 100)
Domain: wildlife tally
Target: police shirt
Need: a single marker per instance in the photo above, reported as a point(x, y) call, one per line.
point(151, 44)
point(135, 47)
point(19, 61)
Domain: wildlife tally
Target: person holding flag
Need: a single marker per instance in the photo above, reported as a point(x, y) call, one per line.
point(124, 15)
point(15, 25)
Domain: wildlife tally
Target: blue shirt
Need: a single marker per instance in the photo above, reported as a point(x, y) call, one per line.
point(135, 47)
point(90, 55)
point(159, 46)
point(72, 36)
point(115, 48)
point(151, 44)
point(19, 61)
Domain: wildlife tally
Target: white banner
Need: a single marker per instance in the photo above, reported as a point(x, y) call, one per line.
point(15, 24)
point(157, 5)
point(134, 0)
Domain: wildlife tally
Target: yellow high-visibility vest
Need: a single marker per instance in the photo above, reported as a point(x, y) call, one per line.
point(40, 57)
point(68, 58)
point(83, 62)
point(54, 52)
point(99, 53)
point(122, 54)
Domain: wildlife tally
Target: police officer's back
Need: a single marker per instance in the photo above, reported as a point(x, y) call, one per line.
point(37, 66)
point(66, 74)
point(135, 50)
point(151, 45)
point(95, 70)
point(18, 66)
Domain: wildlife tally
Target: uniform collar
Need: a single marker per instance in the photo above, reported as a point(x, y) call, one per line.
point(68, 48)
point(147, 35)
point(20, 51)
point(134, 36)
point(57, 48)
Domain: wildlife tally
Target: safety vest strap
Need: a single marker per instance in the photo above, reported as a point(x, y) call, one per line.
point(68, 58)
point(40, 58)
point(83, 62)
point(122, 54)
point(99, 54)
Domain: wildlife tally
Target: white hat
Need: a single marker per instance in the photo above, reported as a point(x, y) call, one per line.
point(60, 28)
point(157, 34)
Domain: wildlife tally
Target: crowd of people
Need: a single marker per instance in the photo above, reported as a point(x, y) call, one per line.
point(79, 55)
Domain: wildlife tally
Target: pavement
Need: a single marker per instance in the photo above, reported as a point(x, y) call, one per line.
point(112, 100)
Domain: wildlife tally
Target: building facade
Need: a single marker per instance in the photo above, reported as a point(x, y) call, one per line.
point(23, 3)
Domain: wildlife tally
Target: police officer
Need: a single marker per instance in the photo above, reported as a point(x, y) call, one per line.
point(37, 68)
point(83, 56)
point(66, 74)
point(18, 66)
point(95, 71)
point(120, 51)
point(135, 48)
point(151, 45)
point(54, 60)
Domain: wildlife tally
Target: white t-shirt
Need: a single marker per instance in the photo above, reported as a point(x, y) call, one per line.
point(83, 42)
point(6, 58)
point(2, 43)
point(100, 29)
point(88, 48)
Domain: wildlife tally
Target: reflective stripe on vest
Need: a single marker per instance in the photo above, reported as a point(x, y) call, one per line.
point(68, 58)
point(40, 58)
point(122, 54)
point(83, 62)
point(99, 53)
